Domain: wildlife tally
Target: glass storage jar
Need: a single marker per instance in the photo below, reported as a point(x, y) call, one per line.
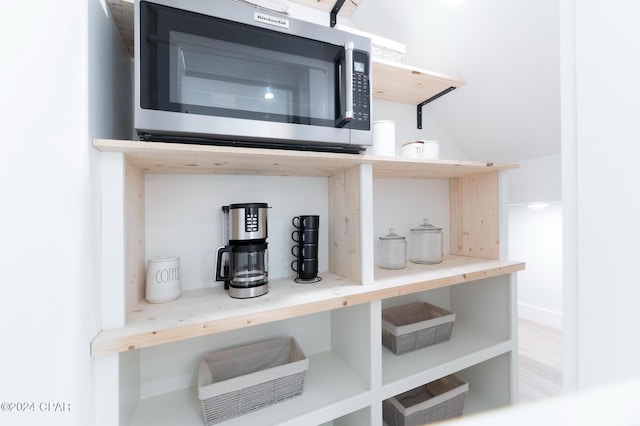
point(392, 250)
point(426, 244)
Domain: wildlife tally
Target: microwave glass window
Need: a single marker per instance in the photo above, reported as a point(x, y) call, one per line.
point(208, 73)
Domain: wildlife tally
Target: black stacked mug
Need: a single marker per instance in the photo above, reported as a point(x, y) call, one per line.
point(306, 248)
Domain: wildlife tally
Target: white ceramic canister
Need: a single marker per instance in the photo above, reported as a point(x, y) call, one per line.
point(431, 150)
point(163, 279)
point(384, 138)
point(413, 149)
point(421, 149)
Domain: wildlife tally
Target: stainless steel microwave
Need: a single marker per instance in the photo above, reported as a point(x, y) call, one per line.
point(225, 72)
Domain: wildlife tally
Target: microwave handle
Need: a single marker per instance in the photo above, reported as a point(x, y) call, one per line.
point(348, 113)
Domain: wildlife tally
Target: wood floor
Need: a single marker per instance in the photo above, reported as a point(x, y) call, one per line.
point(540, 360)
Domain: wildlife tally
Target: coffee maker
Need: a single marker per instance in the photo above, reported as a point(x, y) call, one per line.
point(242, 263)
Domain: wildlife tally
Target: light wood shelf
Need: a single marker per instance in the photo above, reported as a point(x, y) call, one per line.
point(208, 311)
point(160, 157)
point(398, 82)
point(173, 158)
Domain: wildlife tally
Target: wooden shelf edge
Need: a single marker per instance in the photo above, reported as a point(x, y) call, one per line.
point(402, 67)
point(398, 82)
point(213, 311)
point(161, 157)
point(164, 148)
point(390, 167)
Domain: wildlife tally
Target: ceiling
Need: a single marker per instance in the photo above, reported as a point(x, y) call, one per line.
point(508, 53)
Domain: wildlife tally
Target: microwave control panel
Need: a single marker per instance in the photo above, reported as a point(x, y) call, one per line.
point(361, 92)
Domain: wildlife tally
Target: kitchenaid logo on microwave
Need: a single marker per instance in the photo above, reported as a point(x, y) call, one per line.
point(271, 20)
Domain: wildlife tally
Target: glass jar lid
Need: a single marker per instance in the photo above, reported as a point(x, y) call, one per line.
point(392, 236)
point(426, 227)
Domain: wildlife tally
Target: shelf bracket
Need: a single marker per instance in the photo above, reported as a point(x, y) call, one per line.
point(431, 99)
point(334, 13)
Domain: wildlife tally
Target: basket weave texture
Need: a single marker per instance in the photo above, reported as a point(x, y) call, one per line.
point(435, 401)
point(244, 379)
point(415, 326)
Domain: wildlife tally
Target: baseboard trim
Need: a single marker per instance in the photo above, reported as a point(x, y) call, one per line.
point(540, 315)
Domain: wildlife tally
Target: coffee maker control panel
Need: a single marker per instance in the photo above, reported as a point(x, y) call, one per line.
point(247, 221)
point(251, 220)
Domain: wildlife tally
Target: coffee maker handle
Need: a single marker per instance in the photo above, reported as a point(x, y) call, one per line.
point(221, 250)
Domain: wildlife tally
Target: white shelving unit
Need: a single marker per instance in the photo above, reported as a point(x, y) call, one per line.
point(146, 356)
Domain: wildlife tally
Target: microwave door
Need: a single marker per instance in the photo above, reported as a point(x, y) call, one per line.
point(216, 77)
point(344, 87)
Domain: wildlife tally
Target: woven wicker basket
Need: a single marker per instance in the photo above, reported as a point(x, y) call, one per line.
point(244, 379)
point(435, 401)
point(415, 326)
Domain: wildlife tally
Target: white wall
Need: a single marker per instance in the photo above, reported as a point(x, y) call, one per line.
point(535, 237)
point(600, 145)
point(49, 222)
point(536, 180)
point(46, 220)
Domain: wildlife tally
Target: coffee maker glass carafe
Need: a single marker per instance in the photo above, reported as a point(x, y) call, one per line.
point(243, 263)
point(249, 265)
